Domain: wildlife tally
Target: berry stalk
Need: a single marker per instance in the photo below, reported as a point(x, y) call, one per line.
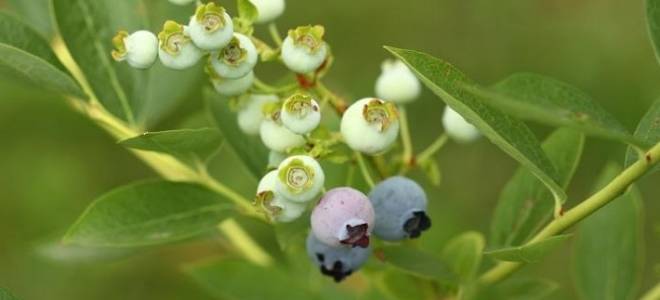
point(573, 216)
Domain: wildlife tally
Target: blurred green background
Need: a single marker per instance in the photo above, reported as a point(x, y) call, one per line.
point(53, 161)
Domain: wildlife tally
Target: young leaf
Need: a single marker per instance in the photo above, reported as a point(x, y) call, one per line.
point(36, 13)
point(653, 19)
point(238, 279)
point(26, 55)
point(525, 204)
point(648, 131)
point(148, 213)
point(549, 101)
point(88, 27)
point(247, 10)
point(463, 254)
point(417, 262)
point(519, 289)
point(511, 135)
point(401, 286)
point(607, 262)
point(6, 295)
point(188, 144)
point(249, 149)
point(529, 253)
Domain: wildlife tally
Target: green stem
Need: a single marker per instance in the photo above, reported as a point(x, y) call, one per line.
point(270, 89)
point(432, 149)
point(601, 198)
point(337, 102)
point(408, 157)
point(275, 34)
point(652, 294)
point(364, 169)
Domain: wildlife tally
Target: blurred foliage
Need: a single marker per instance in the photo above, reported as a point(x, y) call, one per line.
point(54, 162)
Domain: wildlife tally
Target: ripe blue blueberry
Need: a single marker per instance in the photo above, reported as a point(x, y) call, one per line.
point(300, 113)
point(336, 262)
point(176, 50)
point(211, 27)
point(139, 49)
point(300, 178)
point(276, 207)
point(370, 125)
point(400, 206)
point(237, 59)
point(344, 216)
point(304, 50)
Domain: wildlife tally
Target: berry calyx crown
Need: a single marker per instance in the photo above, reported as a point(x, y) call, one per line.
point(211, 16)
point(233, 54)
point(120, 51)
point(264, 201)
point(310, 37)
point(380, 113)
point(297, 176)
point(300, 104)
point(172, 38)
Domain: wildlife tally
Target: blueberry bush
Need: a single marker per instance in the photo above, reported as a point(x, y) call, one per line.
point(339, 204)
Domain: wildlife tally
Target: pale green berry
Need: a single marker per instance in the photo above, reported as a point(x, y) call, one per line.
point(276, 137)
point(300, 178)
point(268, 10)
point(181, 2)
point(370, 125)
point(139, 49)
point(211, 27)
point(303, 50)
point(275, 158)
point(300, 114)
point(233, 87)
point(176, 50)
point(236, 59)
point(397, 83)
point(457, 127)
point(251, 113)
point(276, 207)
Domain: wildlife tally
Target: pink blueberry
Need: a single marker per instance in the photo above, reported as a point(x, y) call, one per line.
point(344, 216)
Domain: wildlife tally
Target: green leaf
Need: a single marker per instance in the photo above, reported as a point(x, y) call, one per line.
point(546, 100)
point(511, 135)
point(417, 262)
point(26, 55)
point(463, 254)
point(247, 10)
point(238, 279)
point(148, 213)
point(402, 286)
point(6, 295)
point(648, 131)
point(249, 149)
point(607, 262)
point(529, 253)
point(653, 19)
point(519, 289)
point(525, 205)
point(36, 13)
point(189, 144)
point(87, 28)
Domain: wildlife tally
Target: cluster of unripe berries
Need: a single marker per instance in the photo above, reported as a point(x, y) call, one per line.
point(344, 218)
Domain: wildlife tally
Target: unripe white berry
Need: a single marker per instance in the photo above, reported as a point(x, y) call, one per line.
point(278, 138)
point(457, 127)
point(300, 178)
point(276, 207)
point(139, 49)
point(211, 27)
point(176, 50)
point(268, 10)
point(303, 50)
point(251, 114)
point(370, 125)
point(236, 59)
point(397, 83)
point(233, 87)
point(181, 2)
point(300, 113)
point(275, 159)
